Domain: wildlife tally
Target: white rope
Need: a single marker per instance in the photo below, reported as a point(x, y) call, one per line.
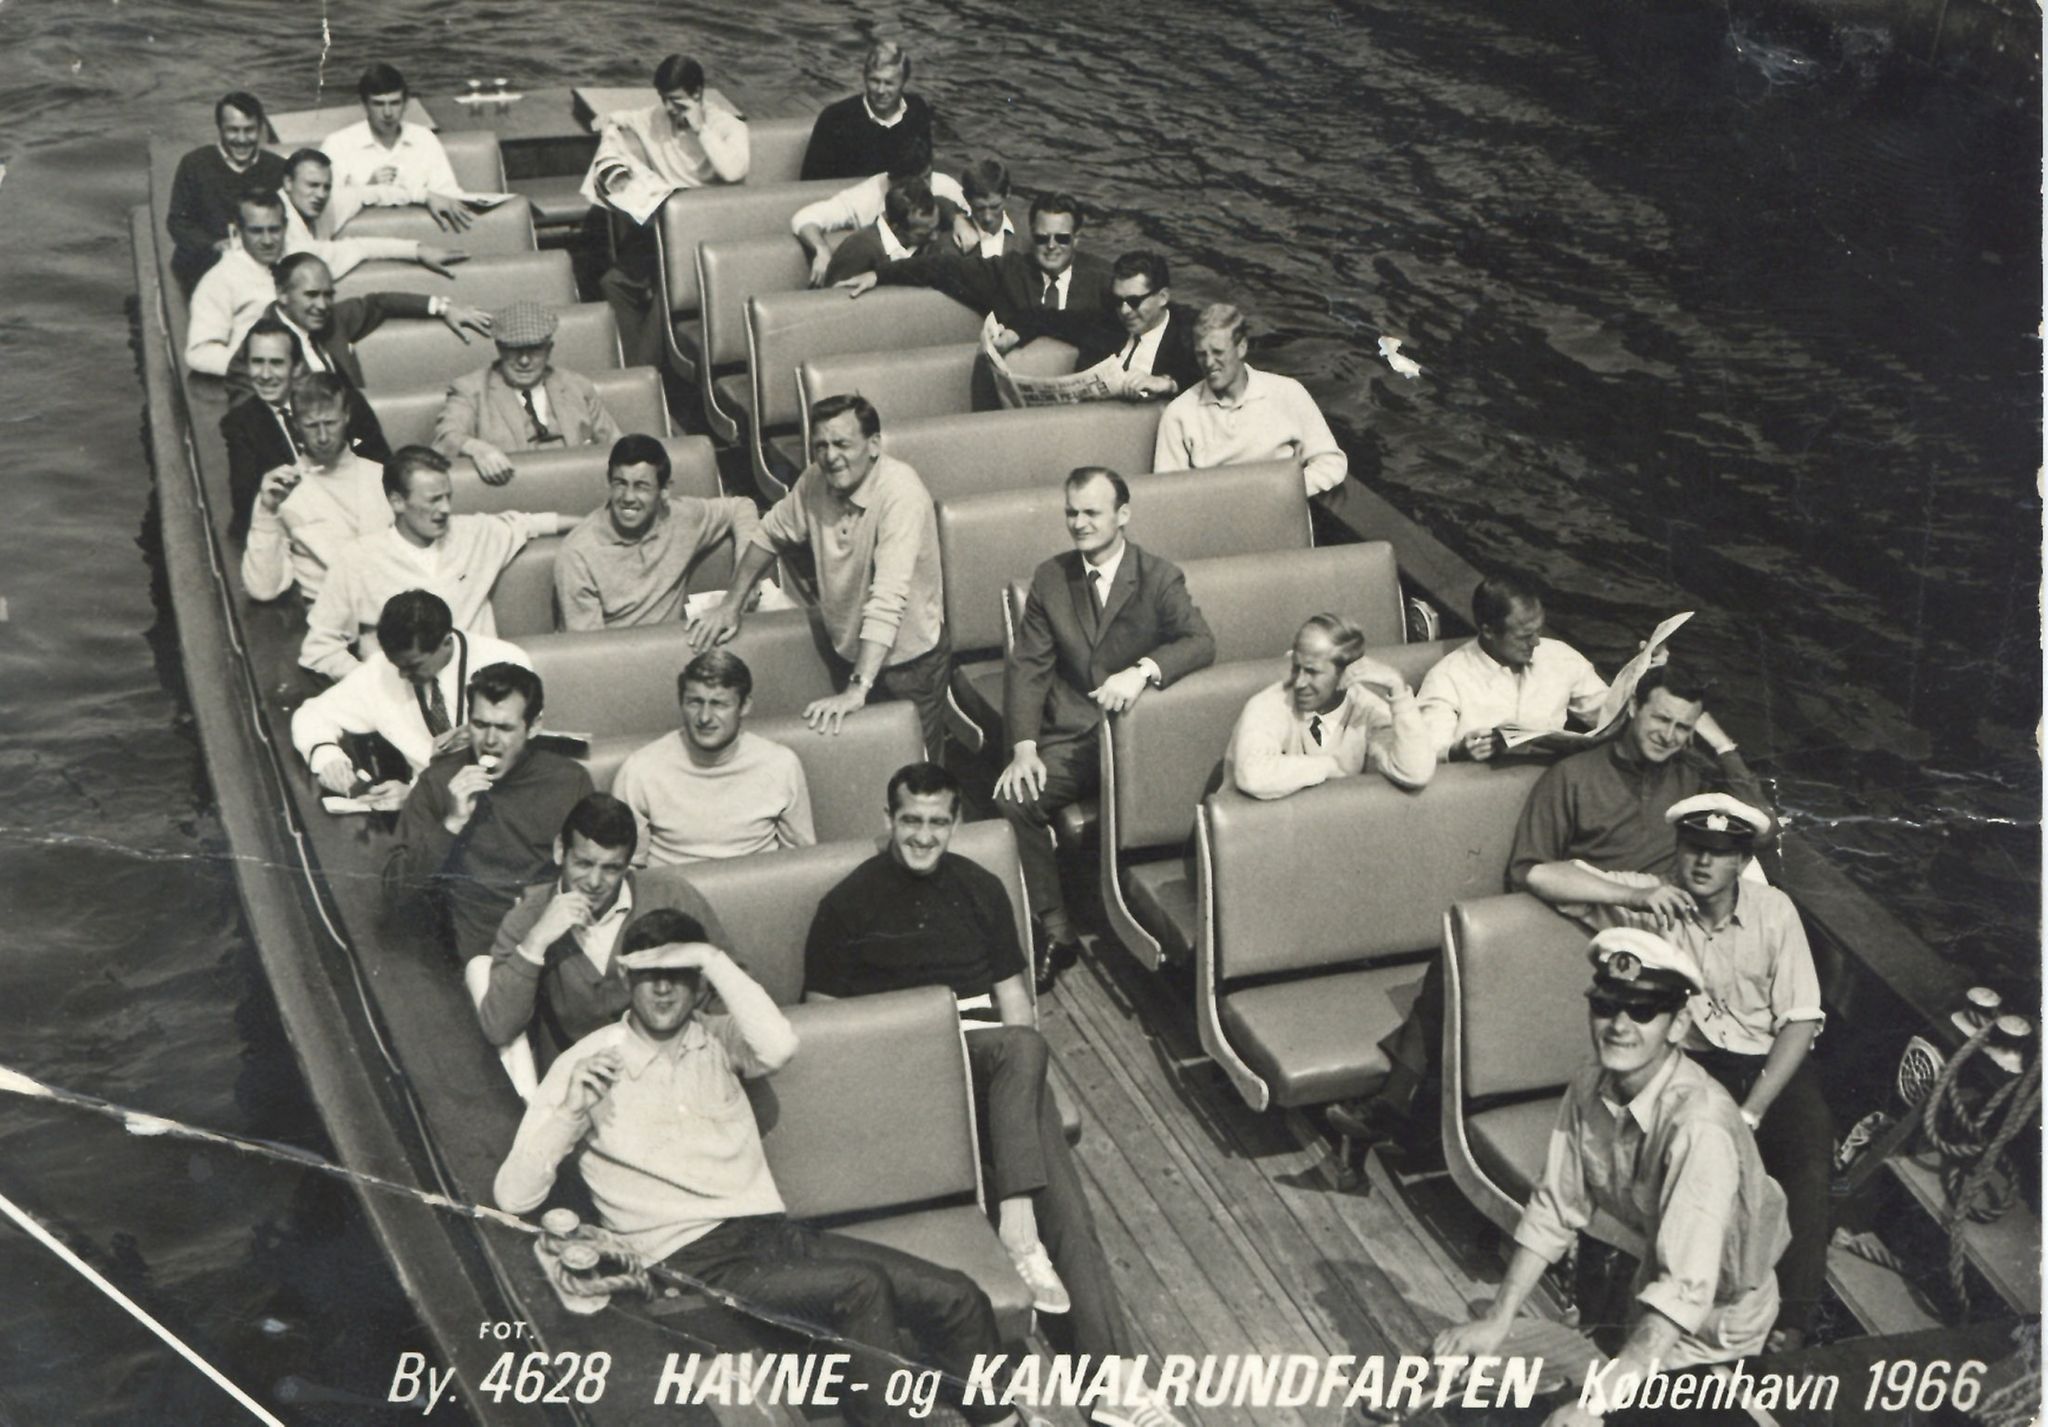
point(92, 1276)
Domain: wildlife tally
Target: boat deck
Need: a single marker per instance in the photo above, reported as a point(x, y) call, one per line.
point(1223, 1230)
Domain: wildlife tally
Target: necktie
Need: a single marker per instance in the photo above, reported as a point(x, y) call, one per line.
point(1315, 728)
point(1096, 587)
point(437, 708)
point(1130, 352)
point(540, 428)
point(1051, 296)
point(291, 427)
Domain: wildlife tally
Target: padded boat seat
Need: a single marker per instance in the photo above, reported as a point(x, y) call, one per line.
point(508, 228)
point(557, 200)
point(622, 681)
point(1511, 1142)
point(974, 452)
point(572, 481)
point(976, 700)
point(1410, 856)
point(1161, 894)
point(787, 458)
point(871, 1126)
point(729, 271)
point(486, 282)
point(847, 773)
point(958, 1238)
point(988, 540)
point(686, 347)
point(1315, 1040)
point(754, 209)
point(408, 356)
point(633, 395)
point(909, 384)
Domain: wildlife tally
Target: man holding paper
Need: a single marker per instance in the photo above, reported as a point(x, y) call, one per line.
point(1509, 680)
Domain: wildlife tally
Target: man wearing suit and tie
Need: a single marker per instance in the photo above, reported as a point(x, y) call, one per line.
point(1103, 622)
point(1053, 289)
point(1147, 350)
point(521, 402)
point(327, 329)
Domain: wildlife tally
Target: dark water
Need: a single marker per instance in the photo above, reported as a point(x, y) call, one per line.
point(1707, 320)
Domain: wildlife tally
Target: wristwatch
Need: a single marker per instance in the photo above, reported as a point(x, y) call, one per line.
point(1751, 1119)
point(861, 682)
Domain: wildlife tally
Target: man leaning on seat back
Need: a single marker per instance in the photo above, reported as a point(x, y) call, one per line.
point(1337, 713)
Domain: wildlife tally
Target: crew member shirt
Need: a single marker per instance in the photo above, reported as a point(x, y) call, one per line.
point(672, 1150)
point(1469, 691)
point(507, 843)
point(877, 556)
point(1274, 751)
point(460, 567)
point(1759, 972)
point(376, 698)
point(863, 204)
point(885, 928)
point(326, 510)
point(1676, 1167)
point(1274, 420)
point(604, 579)
point(754, 800)
point(1606, 807)
point(577, 987)
point(422, 165)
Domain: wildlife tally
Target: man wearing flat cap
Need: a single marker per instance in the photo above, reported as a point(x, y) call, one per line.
point(521, 402)
point(1757, 1018)
point(668, 1146)
point(1646, 1138)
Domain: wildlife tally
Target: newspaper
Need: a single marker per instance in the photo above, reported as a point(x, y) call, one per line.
point(1014, 388)
point(1618, 695)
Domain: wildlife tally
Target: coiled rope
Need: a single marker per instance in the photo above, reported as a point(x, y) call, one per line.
point(1976, 1177)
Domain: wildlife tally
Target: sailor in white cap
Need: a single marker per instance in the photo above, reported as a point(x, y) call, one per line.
point(1753, 1025)
point(1646, 1139)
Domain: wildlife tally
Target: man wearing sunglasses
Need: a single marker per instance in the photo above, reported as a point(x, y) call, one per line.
point(1052, 289)
point(1647, 1138)
point(1147, 352)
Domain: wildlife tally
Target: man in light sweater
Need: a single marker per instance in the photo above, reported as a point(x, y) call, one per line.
point(427, 547)
point(711, 789)
point(1335, 714)
point(308, 512)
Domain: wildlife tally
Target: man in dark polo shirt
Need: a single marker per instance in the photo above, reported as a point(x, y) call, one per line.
point(1604, 808)
point(480, 823)
point(211, 178)
point(551, 977)
point(917, 914)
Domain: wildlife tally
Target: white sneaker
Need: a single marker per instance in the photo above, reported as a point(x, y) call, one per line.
point(1048, 1294)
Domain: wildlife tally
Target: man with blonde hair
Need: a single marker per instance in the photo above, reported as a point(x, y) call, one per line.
point(1239, 413)
point(867, 133)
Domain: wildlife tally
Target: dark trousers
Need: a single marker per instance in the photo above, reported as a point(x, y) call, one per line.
point(1028, 1154)
point(923, 681)
point(632, 288)
point(867, 1293)
point(1071, 774)
point(1797, 1139)
point(1419, 1039)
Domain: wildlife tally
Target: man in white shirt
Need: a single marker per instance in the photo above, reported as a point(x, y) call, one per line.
point(413, 692)
point(384, 162)
point(1336, 714)
point(308, 192)
point(427, 546)
point(1240, 414)
point(306, 513)
point(863, 204)
point(1510, 677)
point(711, 789)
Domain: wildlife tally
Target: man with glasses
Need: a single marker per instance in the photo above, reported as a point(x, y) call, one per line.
point(629, 561)
point(1054, 290)
point(1647, 1138)
point(521, 402)
point(1149, 351)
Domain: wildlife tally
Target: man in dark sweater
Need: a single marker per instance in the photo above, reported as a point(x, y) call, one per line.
point(209, 179)
point(552, 976)
point(867, 133)
point(479, 825)
point(917, 914)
